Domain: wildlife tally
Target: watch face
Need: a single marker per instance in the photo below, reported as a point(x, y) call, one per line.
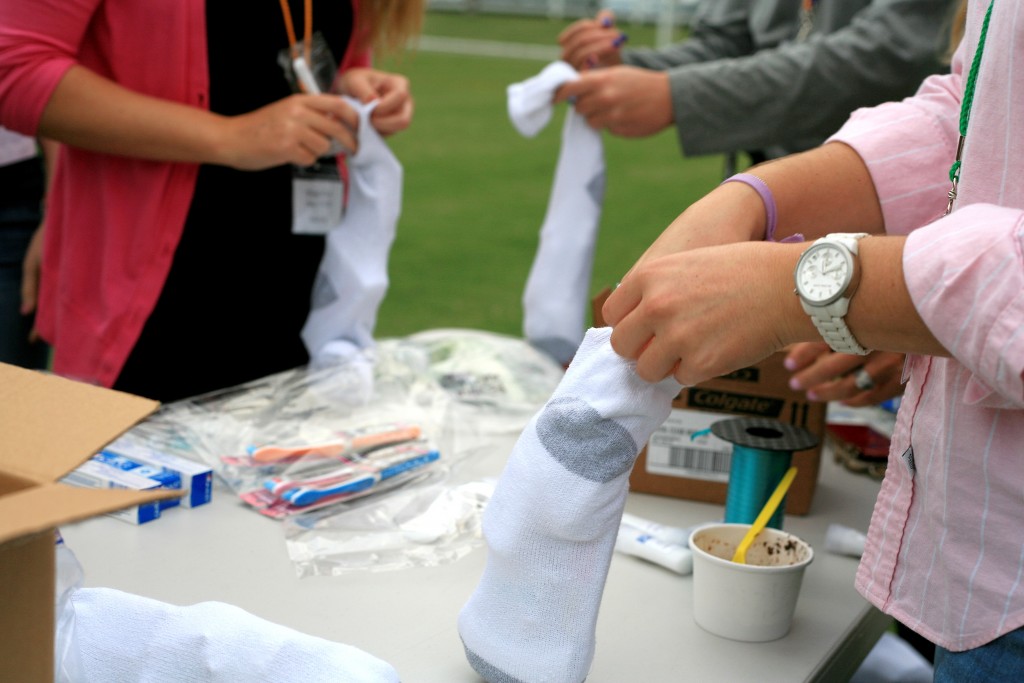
point(823, 273)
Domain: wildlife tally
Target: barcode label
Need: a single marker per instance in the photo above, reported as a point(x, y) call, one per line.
point(683, 447)
point(697, 459)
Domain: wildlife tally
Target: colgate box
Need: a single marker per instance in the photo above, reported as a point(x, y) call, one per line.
point(48, 426)
point(674, 463)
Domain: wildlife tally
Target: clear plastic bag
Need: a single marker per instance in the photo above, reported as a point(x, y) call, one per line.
point(66, 658)
point(420, 527)
point(463, 390)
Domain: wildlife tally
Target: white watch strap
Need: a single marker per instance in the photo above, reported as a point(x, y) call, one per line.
point(830, 320)
point(836, 333)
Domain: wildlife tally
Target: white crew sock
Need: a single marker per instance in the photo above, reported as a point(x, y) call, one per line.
point(126, 637)
point(556, 297)
point(353, 275)
point(553, 519)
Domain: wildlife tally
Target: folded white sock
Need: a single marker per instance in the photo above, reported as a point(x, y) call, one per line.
point(353, 275)
point(126, 638)
point(556, 296)
point(551, 524)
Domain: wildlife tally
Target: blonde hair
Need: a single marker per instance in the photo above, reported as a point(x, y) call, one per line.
point(956, 29)
point(387, 26)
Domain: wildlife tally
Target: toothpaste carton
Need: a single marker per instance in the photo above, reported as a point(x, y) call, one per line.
point(94, 474)
point(168, 479)
point(196, 478)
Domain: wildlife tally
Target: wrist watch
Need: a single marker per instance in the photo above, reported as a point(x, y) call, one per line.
point(827, 275)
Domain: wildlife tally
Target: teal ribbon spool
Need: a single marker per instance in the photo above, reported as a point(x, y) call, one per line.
point(762, 452)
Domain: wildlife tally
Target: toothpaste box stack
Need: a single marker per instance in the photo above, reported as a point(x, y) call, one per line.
point(196, 478)
point(99, 475)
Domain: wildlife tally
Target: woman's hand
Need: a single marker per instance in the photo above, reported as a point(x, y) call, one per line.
point(853, 380)
point(394, 110)
point(298, 129)
point(702, 313)
point(624, 100)
point(592, 43)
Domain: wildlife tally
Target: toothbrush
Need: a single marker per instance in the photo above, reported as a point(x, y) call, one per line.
point(359, 441)
point(321, 473)
point(306, 495)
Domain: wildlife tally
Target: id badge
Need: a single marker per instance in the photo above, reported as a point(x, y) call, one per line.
point(318, 193)
point(318, 197)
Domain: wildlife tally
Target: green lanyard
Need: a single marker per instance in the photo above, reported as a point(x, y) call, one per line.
point(965, 107)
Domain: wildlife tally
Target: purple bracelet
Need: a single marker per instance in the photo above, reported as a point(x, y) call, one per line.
point(771, 220)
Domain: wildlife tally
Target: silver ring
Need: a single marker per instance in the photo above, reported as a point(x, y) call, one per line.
point(862, 380)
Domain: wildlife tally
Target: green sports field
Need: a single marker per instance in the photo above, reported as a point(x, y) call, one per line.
point(476, 191)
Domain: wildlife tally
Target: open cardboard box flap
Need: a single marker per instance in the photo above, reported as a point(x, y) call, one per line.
point(48, 426)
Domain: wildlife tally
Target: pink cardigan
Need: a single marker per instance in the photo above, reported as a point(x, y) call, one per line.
point(111, 231)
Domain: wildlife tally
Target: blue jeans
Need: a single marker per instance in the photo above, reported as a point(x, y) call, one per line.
point(1000, 661)
point(15, 232)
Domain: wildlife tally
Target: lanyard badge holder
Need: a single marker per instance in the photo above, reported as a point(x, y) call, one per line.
point(318, 191)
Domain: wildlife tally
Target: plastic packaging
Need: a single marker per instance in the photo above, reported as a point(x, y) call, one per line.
point(843, 540)
point(462, 391)
point(67, 664)
point(418, 527)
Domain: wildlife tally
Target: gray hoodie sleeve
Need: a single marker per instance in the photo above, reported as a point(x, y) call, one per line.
point(722, 29)
point(731, 92)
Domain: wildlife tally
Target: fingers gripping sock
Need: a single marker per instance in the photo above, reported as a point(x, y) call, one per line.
point(551, 524)
point(353, 275)
point(556, 294)
point(126, 637)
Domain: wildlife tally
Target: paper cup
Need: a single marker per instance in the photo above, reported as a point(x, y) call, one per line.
point(752, 602)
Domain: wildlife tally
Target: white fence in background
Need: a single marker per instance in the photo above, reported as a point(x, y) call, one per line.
point(666, 15)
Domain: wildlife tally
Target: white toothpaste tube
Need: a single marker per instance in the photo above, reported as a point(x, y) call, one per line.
point(667, 534)
point(643, 545)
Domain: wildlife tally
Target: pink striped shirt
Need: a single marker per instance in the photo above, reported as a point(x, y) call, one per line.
point(945, 550)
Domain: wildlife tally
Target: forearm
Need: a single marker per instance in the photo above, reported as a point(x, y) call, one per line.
point(825, 190)
point(94, 113)
point(882, 314)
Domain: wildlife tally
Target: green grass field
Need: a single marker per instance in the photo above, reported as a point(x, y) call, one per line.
point(476, 191)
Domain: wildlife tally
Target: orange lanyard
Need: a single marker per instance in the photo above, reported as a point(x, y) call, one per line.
point(806, 19)
point(307, 33)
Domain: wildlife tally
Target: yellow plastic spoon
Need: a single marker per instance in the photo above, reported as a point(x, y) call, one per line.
point(766, 513)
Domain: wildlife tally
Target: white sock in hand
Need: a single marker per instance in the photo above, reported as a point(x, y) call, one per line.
point(552, 521)
point(555, 299)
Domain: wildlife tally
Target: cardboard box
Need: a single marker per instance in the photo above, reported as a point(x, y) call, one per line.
point(673, 463)
point(49, 425)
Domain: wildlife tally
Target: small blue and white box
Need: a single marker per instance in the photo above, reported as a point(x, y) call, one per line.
point(196, 478)
point(93, 474)
point(167, 479)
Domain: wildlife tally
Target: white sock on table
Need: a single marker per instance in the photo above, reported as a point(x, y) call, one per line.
point(555, 299)
point(126, 637)
point(552, 521)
